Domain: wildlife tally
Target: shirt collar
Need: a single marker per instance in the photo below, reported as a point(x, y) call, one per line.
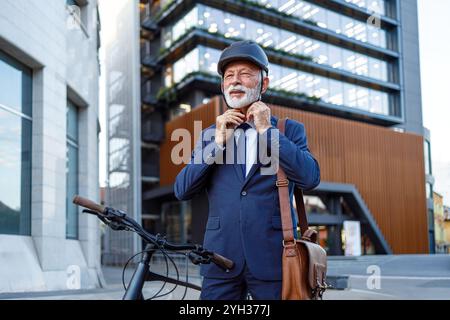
point(251, 123)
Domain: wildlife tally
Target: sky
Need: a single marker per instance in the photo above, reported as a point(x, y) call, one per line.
point(434, 41)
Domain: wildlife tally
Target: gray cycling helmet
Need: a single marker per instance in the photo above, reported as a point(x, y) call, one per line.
point(243, 50)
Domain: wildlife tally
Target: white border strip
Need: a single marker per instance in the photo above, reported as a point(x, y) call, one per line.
point(18, 113)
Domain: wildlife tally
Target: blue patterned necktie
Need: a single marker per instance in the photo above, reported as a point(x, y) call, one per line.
point(242, 146)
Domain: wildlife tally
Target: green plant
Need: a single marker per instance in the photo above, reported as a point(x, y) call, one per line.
point(291, 94)
point(200, 73)
point(167, 94)
point(160, 12)
point(311, 22)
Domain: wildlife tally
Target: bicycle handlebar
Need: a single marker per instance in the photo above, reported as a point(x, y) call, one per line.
point(89, 204)
point(101, 210)
point(222, 261)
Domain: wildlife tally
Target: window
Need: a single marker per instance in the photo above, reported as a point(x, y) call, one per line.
point(15, 147)
point(362, 96)
point(429, 190)
point(176, 220)
point(186, 65)
point(336, 95)
point(361, 65)
point(177, 30)
point(71, 171)
point(378, 102)
point(350, 96)
point(427, 157)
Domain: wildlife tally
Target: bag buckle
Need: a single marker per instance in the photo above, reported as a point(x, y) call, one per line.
point(282, 183)
point(288, 245)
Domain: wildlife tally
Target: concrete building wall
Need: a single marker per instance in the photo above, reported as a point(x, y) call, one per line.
point(63, 57)
point(409, 46)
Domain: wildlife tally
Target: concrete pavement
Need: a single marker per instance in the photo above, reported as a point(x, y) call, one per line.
point(368, 278)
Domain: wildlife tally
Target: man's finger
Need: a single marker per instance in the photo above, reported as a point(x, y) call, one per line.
point(250, 115)
point(236, 118)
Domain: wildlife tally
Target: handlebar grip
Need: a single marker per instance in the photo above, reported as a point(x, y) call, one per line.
point(222, 261)
point(89, 204)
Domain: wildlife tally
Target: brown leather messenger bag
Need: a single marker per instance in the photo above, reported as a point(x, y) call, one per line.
point(304, 261)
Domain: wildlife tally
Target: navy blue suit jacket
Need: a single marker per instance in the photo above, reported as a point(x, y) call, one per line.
point(244, 221)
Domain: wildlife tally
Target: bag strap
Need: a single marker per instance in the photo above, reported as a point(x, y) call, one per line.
point(285, 205)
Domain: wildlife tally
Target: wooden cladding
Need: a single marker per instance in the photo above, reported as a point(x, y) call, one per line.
point(387, 167)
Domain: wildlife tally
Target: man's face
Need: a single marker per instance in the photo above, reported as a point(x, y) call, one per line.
point(241, 84)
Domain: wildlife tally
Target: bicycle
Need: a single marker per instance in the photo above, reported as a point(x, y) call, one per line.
point(118, 220)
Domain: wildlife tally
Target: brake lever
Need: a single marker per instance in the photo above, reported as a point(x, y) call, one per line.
point(208, 257)
point(118, 226)
point(106, 220)
point(114, 214)
point(198, 259)
point(91, 212)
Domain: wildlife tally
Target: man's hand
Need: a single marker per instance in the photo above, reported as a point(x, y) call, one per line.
point(230, 119)
point(259, 112)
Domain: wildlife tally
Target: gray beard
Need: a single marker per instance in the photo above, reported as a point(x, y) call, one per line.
point(251, 95)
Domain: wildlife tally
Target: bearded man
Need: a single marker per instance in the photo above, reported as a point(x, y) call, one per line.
point(244, 222)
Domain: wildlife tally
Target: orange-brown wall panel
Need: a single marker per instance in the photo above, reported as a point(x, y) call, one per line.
point(387, 167)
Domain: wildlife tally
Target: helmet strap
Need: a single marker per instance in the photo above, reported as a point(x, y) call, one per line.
point(261, 86)
point(223, 94)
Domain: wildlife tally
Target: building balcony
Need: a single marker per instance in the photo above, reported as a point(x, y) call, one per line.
point(271, 16)
point(198, 36)
point(152, 127)
point(150, 165)
point(146, 20)
point(150, 171)
point(147, 96)
point(207, 82)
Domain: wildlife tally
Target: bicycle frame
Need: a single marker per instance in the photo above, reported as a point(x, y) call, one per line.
point(142, 274)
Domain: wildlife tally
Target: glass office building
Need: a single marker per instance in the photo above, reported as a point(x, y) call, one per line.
point(348, 63)
point(351, 59)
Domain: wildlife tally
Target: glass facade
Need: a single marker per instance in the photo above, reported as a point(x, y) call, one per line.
point(233, 26)
point(332, 91)
point(71, 171)
point(377, 6)
point(15, 147)
point(333, 21)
